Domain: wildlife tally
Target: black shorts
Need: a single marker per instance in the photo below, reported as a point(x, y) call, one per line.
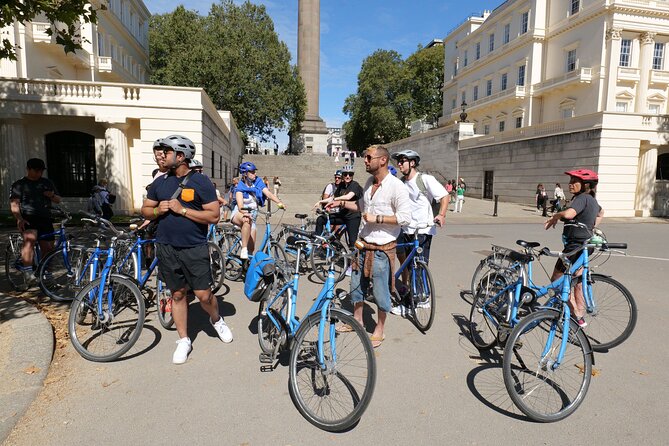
point(41, 225)
point(184, 266)
point(424, 241)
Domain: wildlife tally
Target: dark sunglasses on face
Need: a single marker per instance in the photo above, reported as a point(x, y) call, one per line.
point(251, 171)
point(368, 158)
point(402, 161)
point(348, 174)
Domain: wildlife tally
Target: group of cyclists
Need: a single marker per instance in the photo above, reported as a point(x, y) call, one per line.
point(379, 214)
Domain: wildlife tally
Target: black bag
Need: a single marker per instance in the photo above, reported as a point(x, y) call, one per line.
point(111, 198)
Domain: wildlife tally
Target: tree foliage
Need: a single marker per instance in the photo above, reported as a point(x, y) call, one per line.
point(392, 92)
point(66, 16)
point(235, 54)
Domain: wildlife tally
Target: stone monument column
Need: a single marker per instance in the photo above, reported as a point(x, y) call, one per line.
point(118, 169)
point(313, 136)
point(613, 37)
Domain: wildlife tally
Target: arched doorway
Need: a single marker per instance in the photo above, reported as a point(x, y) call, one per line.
point(70, 159)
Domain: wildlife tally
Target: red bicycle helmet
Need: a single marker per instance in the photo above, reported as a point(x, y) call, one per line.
point(584, 174)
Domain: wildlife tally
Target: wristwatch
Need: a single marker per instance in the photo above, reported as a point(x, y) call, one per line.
point(184, 211)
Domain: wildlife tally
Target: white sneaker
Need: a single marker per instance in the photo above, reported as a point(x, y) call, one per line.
point(244, 254)
point(400, 310)
point(181, 353)
point(222, 329)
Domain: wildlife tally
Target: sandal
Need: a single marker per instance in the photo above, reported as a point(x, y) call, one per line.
point(376, 341)
point(344, 328)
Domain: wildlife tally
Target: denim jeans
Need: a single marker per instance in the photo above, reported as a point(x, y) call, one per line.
point(380, 281)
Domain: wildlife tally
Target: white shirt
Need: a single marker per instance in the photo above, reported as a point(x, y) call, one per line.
point(329, 190)
point(391, 198)
point(421, 208)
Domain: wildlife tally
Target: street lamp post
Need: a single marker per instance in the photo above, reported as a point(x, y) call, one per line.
point(463, 118)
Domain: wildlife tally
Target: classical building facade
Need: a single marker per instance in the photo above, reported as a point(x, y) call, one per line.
point(90, 115)
point(334, 140)
point(549, 86)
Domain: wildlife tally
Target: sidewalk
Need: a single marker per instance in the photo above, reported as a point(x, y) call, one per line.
point(26, 348)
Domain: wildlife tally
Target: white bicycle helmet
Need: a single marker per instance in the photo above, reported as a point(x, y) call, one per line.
point(195, 164)
point(408, 154)
point(181, 144)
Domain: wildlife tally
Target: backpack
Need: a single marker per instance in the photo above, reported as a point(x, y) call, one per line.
point(259, 277)
point(434, 204)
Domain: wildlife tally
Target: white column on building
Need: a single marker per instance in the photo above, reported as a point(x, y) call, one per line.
point(12, 153)
point(645, 191)
point(613, 36)
point(647, 41)
point(117, 160)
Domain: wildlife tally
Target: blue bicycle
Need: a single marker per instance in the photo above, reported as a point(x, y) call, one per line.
point(332, 369)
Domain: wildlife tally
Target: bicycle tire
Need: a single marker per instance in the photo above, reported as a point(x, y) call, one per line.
point(320, 262)
point(313, 391)
point(164, 305)
point(15, 277)
point(58, 281)
point(118, 333)
point(542, 393)
point(484, 267)
point(81, 280)
point(277, 252)
point(485, 315)
point(422, 302)
point(233, 264)
point(126, 263)
point(615, 315)
point(217, 262)
point(268, 333)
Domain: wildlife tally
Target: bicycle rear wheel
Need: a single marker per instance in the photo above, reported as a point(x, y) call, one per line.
point(233, 264)
point(269, 335)
point(16, 278)
point(217, 262)
point(106, 336)
point(483, 268)
point(164, 304)
point(333, 398)
point(58, 273)
point(422, 302)
point(487, 310)
point(614, 316)
point(540, 390)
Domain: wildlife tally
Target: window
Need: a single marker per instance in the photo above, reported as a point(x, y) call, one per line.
point(70, 157)
point(463, 96)
point(478, 50)
point(658, 56)
point(466, 58)
point(455, 69)
point(654, 109)
point(575, 5)
point(501, 126)
point(524, 20)
point(507, 33)
point(220, 165)
point(488, 87)
point(453, 104)
point(625, 52)
point(567, 113)
point(486, 129)
point(476, 92)
point(519, 122)
point(662, 167)
point(571, 61)
point(502, 82)
point(101, 45)
point(621, 106)
point(491, 43)
point(521, 75)
point(213, 164)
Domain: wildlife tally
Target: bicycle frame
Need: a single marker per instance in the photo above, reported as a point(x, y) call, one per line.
point(137, 249)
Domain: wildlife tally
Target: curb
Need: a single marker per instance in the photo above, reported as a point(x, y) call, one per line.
point(26, 349)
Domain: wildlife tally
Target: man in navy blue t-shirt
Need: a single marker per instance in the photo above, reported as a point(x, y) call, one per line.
point(181, 238)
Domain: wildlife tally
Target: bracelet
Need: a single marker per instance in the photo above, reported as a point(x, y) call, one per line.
point(155, 212)
point(383, 218)
point(378, 219)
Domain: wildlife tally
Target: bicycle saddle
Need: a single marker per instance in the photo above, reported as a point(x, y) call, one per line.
point(525, 244)
point(300, 216)
point(294, 241)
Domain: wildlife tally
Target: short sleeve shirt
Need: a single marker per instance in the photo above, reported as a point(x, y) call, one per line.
point(421, 209)
point(30, 194)
point(343, 189)
point(586, 208)
point(173, 228)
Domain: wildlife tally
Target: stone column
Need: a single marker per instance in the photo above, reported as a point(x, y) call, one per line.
point(647, 41)
point(116, 164)
point(645, 191)
point(12, 154)
point(614, 37)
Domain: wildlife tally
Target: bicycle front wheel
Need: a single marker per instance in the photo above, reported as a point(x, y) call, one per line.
point(269, 334)
point(107, 335)
point(487, 310)
point(59, 272)
point(422, 302)
point(164, 304)
point(542, 390)
point(333, 395)
point(321, 257)
point(217, 262)
point(614, 315)
point(15, 277)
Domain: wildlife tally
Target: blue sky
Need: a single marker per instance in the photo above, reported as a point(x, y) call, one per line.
point(350, 31)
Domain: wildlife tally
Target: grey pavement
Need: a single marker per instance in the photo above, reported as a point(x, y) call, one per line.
point(431, 389)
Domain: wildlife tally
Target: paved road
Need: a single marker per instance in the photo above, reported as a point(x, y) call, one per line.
point(431, 389)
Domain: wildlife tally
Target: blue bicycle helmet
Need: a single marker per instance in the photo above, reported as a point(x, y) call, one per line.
point(337, 173)
point(392, 171)
point(246, 166)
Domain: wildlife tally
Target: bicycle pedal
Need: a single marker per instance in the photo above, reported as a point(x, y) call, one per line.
point(266, 358)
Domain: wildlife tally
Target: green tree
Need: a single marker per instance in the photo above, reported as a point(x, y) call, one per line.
point(426, 77)
point(380, 110)
point(235, 54)
point(67, 14)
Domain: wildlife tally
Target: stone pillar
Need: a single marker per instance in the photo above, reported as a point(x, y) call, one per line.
point(314, 132)
point(12, 154)
point(116, 165)
point(645, 190)
point(613, 36)
point(647, 41)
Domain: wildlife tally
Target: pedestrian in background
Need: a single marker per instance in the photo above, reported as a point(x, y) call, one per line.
point(540, 197)
point(459, 197)
point(277, 185)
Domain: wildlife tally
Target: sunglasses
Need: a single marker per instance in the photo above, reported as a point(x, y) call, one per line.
point(348, 174)
point(368, 158)
point(251, 171)
point(402, 161)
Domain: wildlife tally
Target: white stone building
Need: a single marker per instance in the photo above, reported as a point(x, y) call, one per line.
point(335, 140)
point(90, 115)
point(554, 85)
